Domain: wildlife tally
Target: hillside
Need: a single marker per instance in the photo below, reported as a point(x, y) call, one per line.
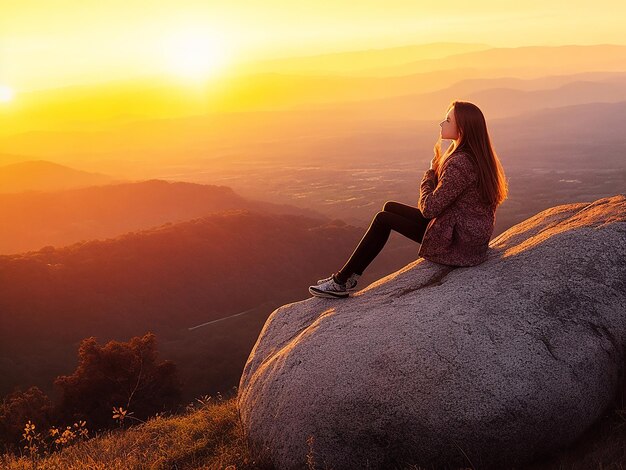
point(209, 432)
point(45, 176)
point(209, 436)
point(166, 280)
point(43, 218)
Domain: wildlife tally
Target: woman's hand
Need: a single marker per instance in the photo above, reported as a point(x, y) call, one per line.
point(433, 163)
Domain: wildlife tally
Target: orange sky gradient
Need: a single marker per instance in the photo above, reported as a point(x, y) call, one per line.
point(137, 88)
point(66, 42)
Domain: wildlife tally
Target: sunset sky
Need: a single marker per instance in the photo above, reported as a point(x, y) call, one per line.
point(52, 43)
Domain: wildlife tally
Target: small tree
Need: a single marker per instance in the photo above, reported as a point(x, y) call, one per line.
point(126, 375)
point(17, 409)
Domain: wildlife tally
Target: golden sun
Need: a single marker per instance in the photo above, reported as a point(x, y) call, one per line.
point(194, 54)
point(6, 94)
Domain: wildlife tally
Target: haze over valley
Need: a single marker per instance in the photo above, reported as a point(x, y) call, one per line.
point(139, 205)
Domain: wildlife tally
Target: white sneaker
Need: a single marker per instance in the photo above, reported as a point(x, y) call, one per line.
point(350, 283)
point(329, 289)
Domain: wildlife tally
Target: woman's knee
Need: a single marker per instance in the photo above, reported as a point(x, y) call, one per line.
point(389, 205)
point(381, 218)
point(379, 215)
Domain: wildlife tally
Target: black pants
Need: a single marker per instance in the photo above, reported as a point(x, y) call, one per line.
point(404, 219)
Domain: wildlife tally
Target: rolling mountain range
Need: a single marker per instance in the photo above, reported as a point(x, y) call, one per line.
point(212, 143)
point(166, 280)
point(301, 83)
point(176, 237)
point(36, 219)
point(527, 61)
point(45, 176)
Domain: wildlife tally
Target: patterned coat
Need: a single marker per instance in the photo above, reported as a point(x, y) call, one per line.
point(461, 224)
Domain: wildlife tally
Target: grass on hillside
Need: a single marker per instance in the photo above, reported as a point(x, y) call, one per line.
point(210, 436)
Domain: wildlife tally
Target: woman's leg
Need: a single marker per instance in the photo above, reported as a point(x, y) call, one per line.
point(404, 210)
point(402, 218)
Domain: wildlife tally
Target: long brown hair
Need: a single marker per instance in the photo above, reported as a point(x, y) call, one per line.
point(474, 140)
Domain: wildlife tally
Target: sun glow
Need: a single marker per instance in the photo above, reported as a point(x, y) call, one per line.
point(195, 54)
point(6, 94)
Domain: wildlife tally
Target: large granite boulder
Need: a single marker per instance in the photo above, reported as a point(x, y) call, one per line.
point(437, 366)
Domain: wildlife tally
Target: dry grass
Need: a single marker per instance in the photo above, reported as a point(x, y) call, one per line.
point(206, 438)
point(210, 436)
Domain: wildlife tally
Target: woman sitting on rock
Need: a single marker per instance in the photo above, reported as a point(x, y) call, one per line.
point(455, 216)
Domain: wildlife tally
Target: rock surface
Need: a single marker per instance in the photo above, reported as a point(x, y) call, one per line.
point(434, 365)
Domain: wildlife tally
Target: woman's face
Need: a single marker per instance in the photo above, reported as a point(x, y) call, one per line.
point(448, 126)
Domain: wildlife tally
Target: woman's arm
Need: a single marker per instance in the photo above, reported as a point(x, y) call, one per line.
point(436, 196)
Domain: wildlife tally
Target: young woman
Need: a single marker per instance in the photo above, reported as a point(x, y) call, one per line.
point(455, 215)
